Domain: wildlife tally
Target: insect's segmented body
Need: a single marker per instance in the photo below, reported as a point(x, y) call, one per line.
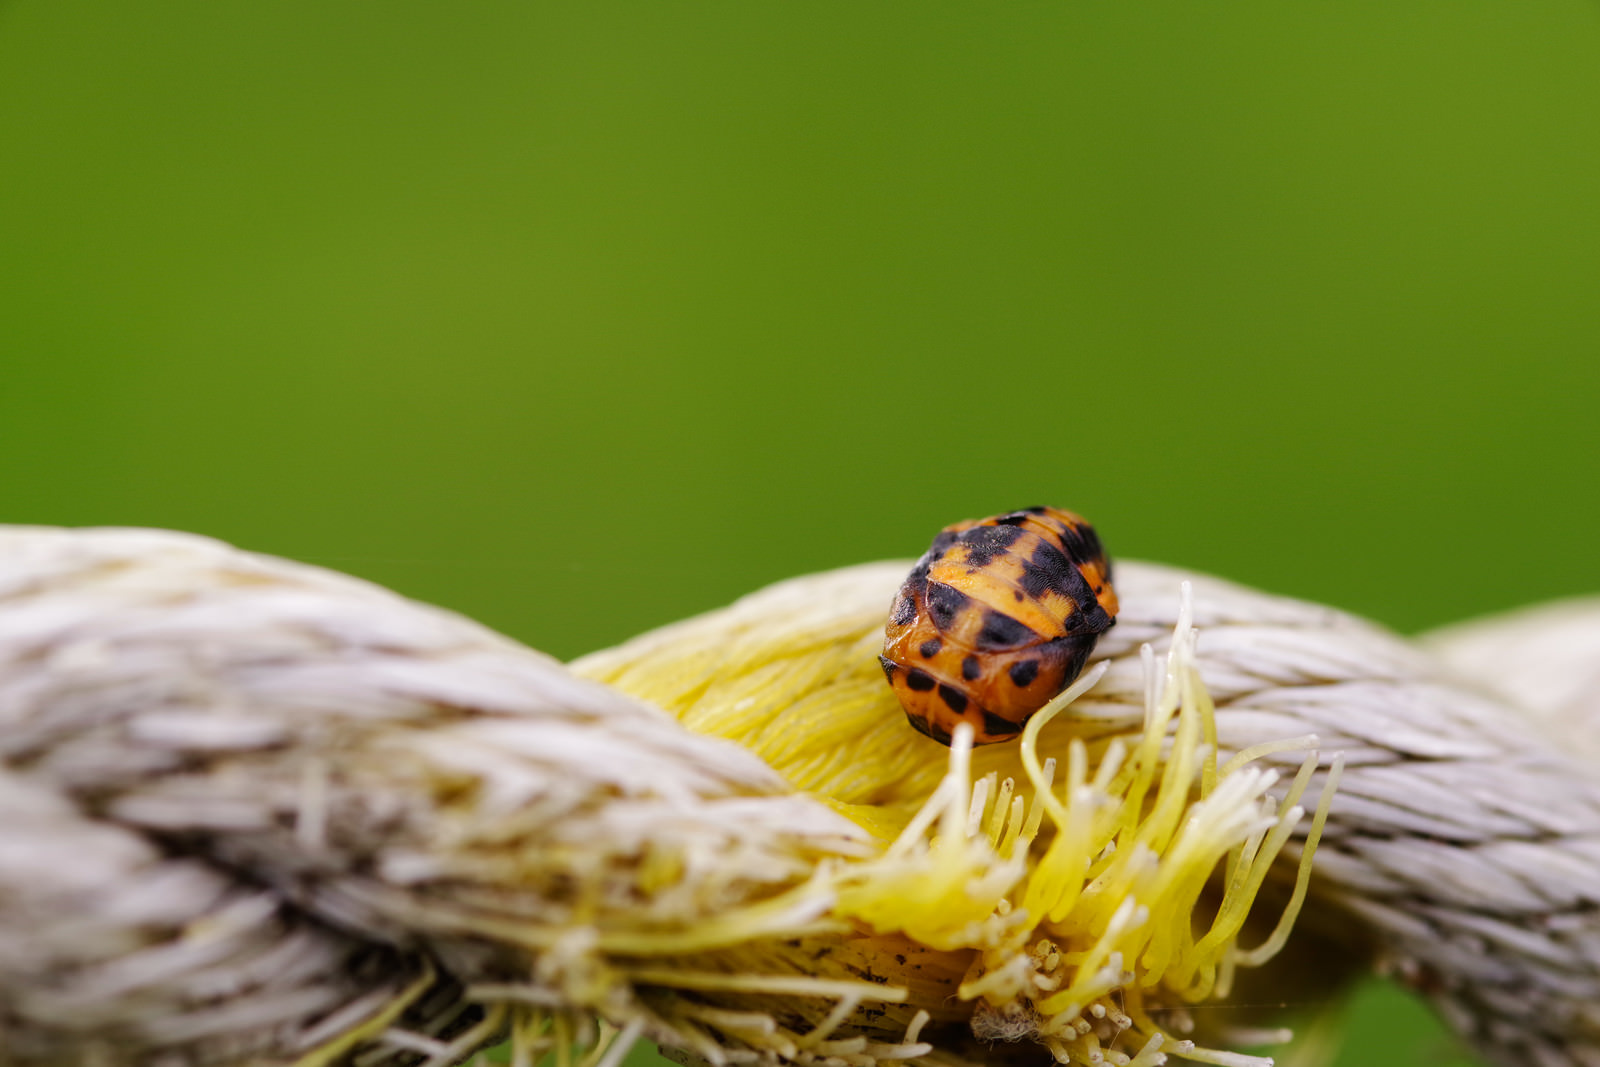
point(997, 617)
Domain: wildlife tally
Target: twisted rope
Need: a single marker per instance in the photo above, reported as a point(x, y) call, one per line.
point(258, 812)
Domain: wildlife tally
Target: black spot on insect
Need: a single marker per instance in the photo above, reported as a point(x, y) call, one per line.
point(1024, 672)
point(930, 648)
point(953, 697)
point(904, 611)
point(1036, 580)
point(984, 543)
point(1072, 651)
point(889, 667)
point(919, 680)
point(1017, 518)
point(928, 729)
point(970, 668)
point(945, 604)
point(1016, 594)
point(941, 545)
point(901, 960)
point(1046, 570)
point(997, 727)
point(1002, 631)
point(1080, 543)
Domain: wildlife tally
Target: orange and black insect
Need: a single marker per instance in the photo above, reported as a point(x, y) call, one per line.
point(997, 617)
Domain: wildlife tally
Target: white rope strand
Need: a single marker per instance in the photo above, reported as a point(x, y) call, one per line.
point(164, 696)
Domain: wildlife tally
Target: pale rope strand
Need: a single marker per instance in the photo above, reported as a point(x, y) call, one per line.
point(291, 740)
point(1545, 659)
point(327, 753)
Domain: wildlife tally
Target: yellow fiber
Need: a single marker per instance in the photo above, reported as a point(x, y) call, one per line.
point(1076, 913)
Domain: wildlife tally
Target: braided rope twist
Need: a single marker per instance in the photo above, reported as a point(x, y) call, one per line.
point(256, 811)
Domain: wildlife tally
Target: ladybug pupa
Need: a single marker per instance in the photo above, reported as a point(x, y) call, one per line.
point(997, 617)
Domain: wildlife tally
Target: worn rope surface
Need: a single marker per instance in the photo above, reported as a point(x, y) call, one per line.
point(241, 792)
point(250, 806)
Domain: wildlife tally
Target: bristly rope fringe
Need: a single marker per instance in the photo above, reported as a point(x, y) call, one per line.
point(258, 812)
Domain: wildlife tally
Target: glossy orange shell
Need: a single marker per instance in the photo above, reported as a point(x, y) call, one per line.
point(997, 617)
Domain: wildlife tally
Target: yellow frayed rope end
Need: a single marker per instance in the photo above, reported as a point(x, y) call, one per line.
point(1078, 912)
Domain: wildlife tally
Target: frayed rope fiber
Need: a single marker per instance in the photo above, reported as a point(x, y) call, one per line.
point(257, 812)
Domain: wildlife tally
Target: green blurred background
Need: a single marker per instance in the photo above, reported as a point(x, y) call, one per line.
point(581, 318)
